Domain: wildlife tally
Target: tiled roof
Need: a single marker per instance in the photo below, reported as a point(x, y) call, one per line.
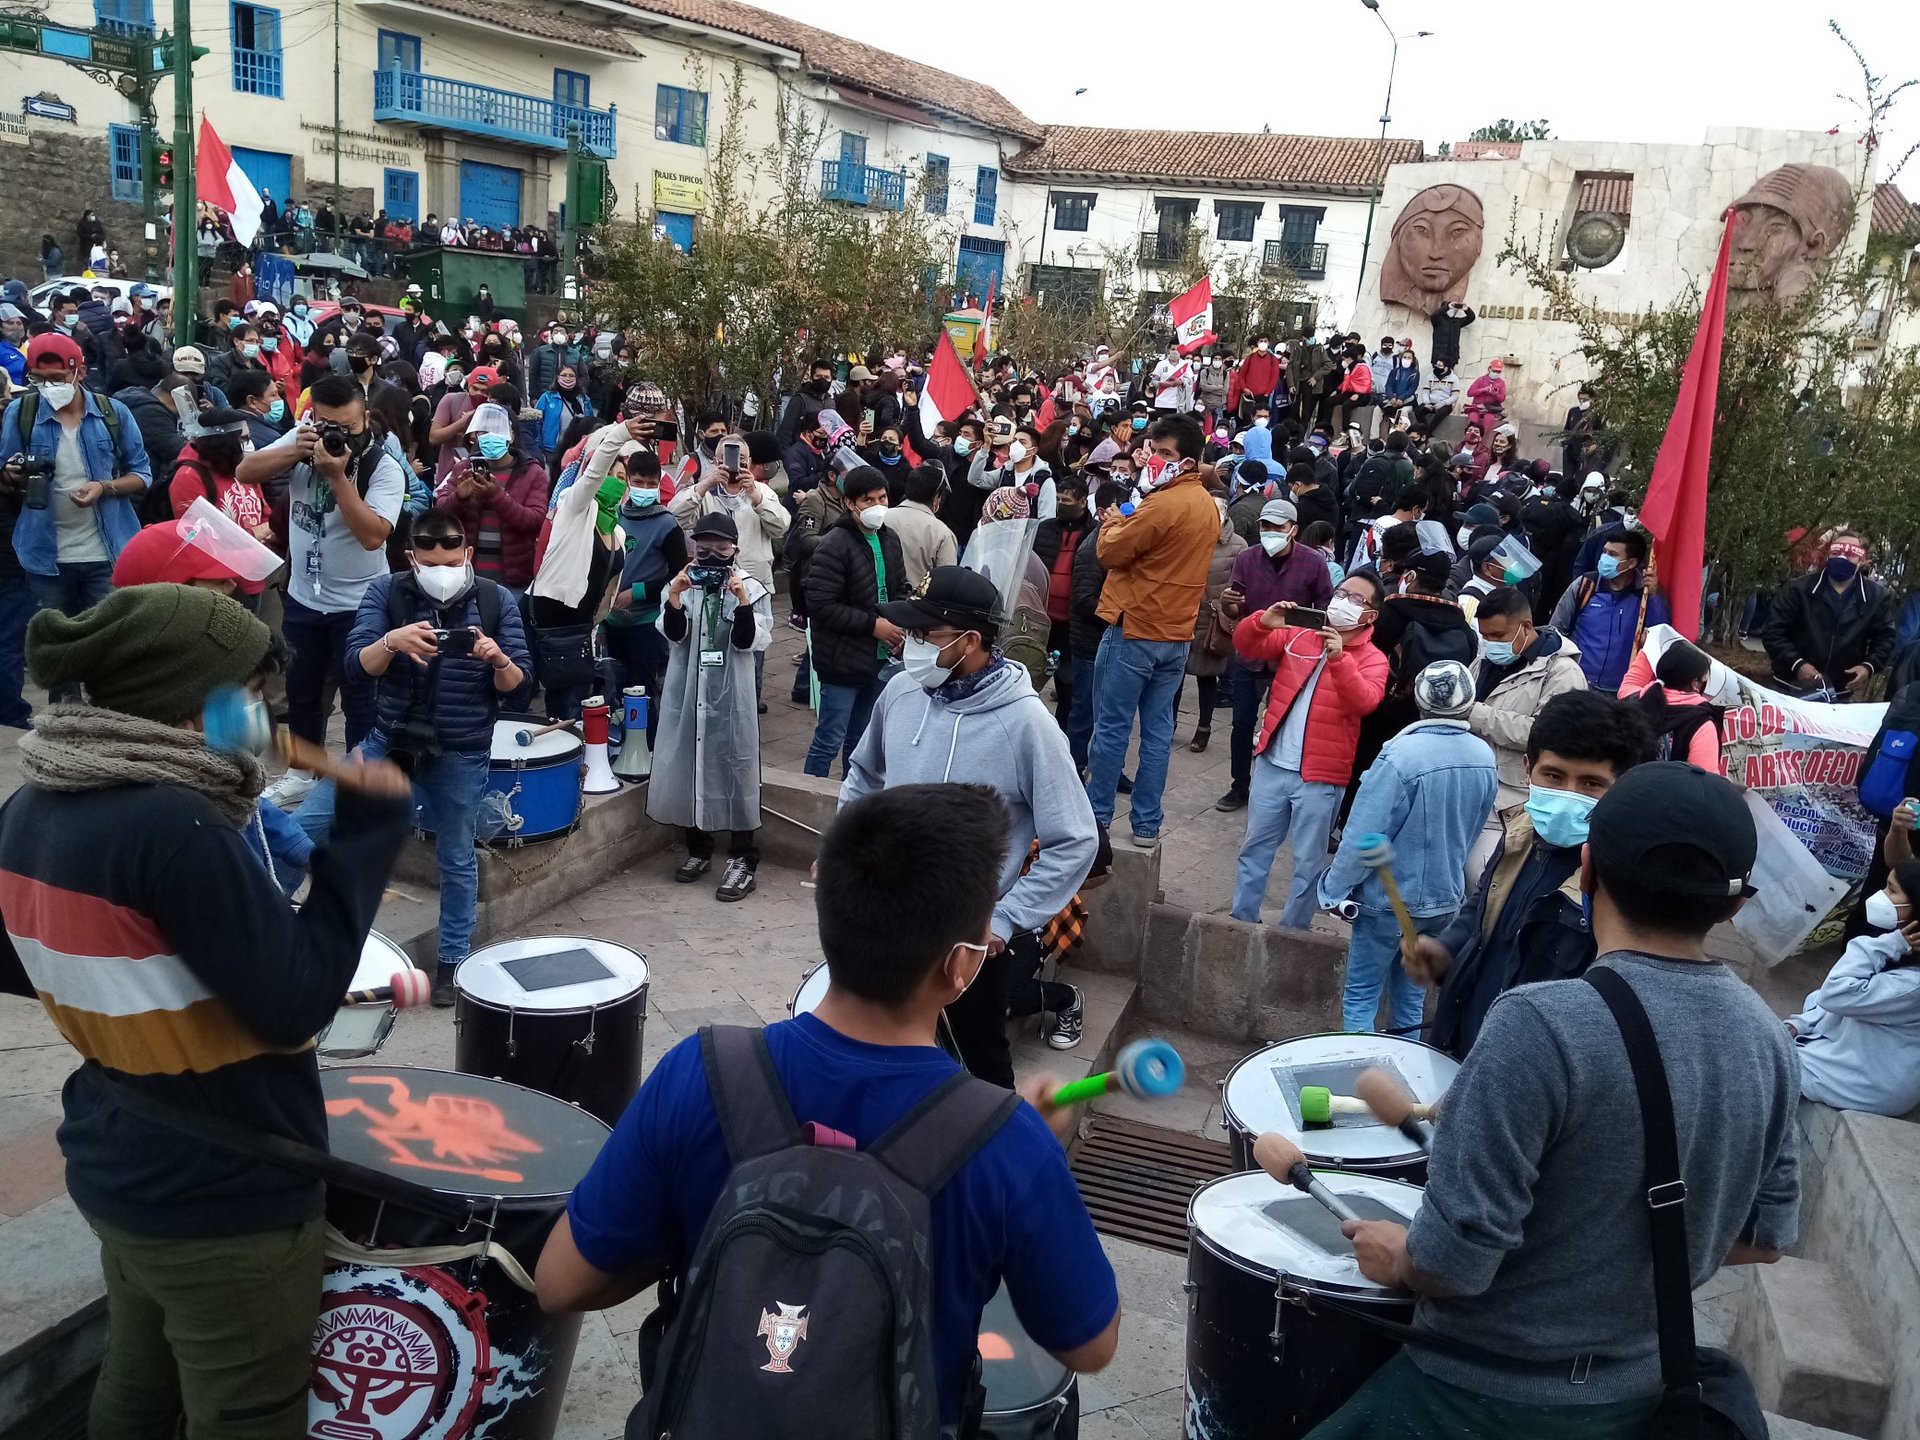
point(542, 24)
point(1485, 150)
point(839, 58)
point(1612, 194)
point(1893, 213)
point(1300, 162)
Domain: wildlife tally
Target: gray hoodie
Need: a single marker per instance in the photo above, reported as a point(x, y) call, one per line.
point(998, 733)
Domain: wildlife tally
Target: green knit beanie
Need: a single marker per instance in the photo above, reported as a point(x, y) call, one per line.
point(155, 651)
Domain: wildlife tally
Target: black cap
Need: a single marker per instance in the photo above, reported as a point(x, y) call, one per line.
point(1656, 811)
point(1480, 514)
point(953, 595)
point(717, 526)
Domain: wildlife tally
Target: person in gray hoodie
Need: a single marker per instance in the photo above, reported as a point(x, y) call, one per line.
point(961, 713)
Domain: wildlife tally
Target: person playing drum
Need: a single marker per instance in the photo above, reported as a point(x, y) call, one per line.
point(170, 959)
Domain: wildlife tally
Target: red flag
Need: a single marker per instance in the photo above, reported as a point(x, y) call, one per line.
point(1192, 315)
point(1048, 414)
point(945, 390)
point(982, 344)
point(1675, 511)
point(222, 182)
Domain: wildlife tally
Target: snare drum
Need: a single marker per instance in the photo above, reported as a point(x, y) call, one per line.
point(813, 989)
point(1030, 1395)
point(357, 1031)
point(1266, 1359)
point(1262, 1093)
point(456, 1347)
point(562, 1014)
point(540, 781)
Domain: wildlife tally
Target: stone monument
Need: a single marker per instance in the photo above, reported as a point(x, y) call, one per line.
point(1435, 241)
point(1796, 217)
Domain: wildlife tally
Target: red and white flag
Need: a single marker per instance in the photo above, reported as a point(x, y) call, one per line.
point(1192, 315)
point(983, 338)
point(220, 181)
point(947, 391)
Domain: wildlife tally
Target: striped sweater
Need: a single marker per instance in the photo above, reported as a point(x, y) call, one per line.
point(166, 955)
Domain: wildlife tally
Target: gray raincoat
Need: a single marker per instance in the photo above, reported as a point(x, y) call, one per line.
point(706, 757)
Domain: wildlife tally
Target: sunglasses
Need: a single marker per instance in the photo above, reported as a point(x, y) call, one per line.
point(439, 542)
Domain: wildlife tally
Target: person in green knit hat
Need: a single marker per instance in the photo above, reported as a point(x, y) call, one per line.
point(132, 908)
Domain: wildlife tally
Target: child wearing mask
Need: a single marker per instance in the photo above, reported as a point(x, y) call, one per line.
point(656, 551)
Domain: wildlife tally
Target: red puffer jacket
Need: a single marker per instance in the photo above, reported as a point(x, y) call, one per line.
point(1350, 688)
point(520, 506)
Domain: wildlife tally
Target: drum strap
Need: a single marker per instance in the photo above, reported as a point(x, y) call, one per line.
point(339, 1247)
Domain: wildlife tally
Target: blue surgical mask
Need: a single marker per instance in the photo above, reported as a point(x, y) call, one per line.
point(1139, 422)
point(494, 447)
point(962, 445)
point(643, 496)
point(277, 411)
point(1609, 567)
point(270, 343)
point(252, 352)
point(1497, 652)
point(1559, 816)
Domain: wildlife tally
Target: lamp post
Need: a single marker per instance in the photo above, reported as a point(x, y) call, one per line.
point(1386, 118)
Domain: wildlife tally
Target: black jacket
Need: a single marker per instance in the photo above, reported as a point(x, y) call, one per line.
point(1089, 577)
point(1048, 535)
point(843, 601)
point(1446, 335)
point(1805, 626)
point(1319, 504)
point(798, 416)
point(961, 509)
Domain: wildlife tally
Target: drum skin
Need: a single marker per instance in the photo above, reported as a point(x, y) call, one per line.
point(1030, 1395)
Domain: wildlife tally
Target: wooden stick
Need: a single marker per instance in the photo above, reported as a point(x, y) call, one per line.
point(527, 737)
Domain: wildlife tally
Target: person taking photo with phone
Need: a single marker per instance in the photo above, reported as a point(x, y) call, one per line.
point(736, 486)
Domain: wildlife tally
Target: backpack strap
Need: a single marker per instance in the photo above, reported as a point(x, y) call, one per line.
point(402, 595)
point(487, 593)
point(944, 1131)
point(756, 1117)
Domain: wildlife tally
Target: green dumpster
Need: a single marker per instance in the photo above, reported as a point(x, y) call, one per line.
point(452, 276)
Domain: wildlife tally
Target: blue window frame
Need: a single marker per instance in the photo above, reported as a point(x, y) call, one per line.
point(936, 186)
point(402, 194)
point(256, 50)
point(124, 17)
point(127, 172)
point(570, 87)
point(680, 116)
point(986, 195)
point(399, 48)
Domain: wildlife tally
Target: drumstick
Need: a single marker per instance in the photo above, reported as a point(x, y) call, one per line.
point(233, 724)
point(1318, 1105)
point(1376, 853)
point(1392, 1105)
point(527, 737)
point(1283, 1160)
point(406, 989)
point(1146, 1069)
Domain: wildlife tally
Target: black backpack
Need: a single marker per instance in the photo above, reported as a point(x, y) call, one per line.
point(1674, 726)
point(1422, 644)
point(811, 1313)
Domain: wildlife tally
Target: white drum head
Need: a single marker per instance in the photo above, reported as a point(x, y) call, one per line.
point(812, 991)
point(509, 975)
point(552, 746)
point(1262, 1093)
point(1266, 1227)
point(379, 959)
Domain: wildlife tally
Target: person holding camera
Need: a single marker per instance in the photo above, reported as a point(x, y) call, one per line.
point(706, 763)
point(734, 484)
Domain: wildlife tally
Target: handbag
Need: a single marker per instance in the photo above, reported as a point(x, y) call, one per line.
point(1708, 1395)
point(1219, 638)
point(563, 655)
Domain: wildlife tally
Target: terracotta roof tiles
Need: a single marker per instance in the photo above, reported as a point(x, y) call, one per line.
point(542, 24)
point(1303, 162)
point(1894, 214)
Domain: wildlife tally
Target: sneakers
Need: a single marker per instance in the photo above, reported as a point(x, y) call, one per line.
point(290, 789)
point(443, 991)
point(692, 868)
point(1065, 1033)
point(1144, 842)
point(737, 883)
point(1234, 799)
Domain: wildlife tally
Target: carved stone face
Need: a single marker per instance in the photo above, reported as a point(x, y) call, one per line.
point(1762, 246)
point(1436, 240)
point(1792, 221)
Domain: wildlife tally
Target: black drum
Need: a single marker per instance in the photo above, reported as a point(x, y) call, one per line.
point(813, 989)
point(1267, 1359)
point(428, 1325)
point(562, 1014)
point(1030, 1395)
point(1262, 1094)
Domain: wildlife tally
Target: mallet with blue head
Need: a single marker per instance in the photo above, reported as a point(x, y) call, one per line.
point(1146, 1069)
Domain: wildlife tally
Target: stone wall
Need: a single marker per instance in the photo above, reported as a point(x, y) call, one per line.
point(49, 182)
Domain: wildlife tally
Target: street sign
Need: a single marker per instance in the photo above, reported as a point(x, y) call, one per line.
point(19, 35)
point(114, 54)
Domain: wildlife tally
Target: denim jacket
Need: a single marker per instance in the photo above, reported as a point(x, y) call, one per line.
point(1429, 793)
point(119, 517)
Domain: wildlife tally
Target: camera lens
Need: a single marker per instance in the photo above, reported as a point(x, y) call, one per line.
point(335, 442)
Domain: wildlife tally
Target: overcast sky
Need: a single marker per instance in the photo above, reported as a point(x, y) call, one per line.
point(1649, 70)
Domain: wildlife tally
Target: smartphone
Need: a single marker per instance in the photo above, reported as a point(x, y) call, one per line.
point(730, 456)
point(454, 642)
point(866, 419)
point(1306, 617)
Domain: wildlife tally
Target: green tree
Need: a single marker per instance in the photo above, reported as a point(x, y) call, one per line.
point(1504, 129)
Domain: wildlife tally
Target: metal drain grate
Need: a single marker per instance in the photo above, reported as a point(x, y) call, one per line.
point(1137, 1179)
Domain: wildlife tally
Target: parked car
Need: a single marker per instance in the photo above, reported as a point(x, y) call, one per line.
point(41, 293)
point(390, 316)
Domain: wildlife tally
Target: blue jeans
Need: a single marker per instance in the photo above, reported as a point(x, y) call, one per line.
point(844, 712)
point(1080, 712)
point(446, 795)
point(1373, 962)
point(16, 608)
point(74, 589)
point(1279, 802)
point(1143, 677)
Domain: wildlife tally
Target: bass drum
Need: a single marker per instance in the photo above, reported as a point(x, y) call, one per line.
point(358, 1031)
point(1267, 1358)
point(813, 989)
point(1030, 1395)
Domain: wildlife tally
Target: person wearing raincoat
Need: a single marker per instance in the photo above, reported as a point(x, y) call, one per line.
point(706, 756)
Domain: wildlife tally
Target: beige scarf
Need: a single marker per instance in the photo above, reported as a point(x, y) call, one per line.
point(82, 747)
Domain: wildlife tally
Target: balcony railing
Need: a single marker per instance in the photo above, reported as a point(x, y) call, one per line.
point(863, 185)
point(413, 98)
point(1163, 247)
point(128, 29)
point(1307, 261)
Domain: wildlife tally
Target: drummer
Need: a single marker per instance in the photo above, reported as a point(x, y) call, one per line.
point(906, 885)
point(169, 959)
point(1533, 1241)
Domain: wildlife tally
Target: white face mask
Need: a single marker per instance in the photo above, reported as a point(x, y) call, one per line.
point(1016, 452)
point(57, 393)
point(1259, 422)
point(1344, 612)
point(1882, 913)
point(921, 660)
point(443, 583)
point(1274, 544)
point(874, 516)
point(1464, 535)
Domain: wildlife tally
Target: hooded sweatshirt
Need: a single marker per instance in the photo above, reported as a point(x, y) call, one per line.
point(989, 729)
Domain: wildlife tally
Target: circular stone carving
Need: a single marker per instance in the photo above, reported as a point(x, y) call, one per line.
point(1596, 240)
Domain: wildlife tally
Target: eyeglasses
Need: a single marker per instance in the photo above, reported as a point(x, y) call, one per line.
point(439, 542)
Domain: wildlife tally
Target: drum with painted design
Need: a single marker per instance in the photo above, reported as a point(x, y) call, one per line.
point(358, 1031)
point(813, 989)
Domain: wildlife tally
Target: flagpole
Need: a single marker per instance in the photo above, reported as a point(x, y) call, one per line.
point(186, 229)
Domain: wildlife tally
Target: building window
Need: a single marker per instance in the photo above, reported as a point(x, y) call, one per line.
point(402, 194)
point(986, 195)
point(399, 50)
point(1236, 218)
point(1071, 212)
point(126, 162)
point(936, 184)
point(680, 116)
point(1300, 224)
point(256, 50)
point(124, 17)
point(572, 89)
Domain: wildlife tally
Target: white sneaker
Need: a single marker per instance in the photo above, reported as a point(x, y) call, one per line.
point(290, 789)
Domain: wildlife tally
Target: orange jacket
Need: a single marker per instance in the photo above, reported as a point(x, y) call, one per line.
point(1156, 561)
point(1350, 688)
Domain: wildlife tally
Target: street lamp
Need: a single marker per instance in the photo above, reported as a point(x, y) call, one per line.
point(1386, 118)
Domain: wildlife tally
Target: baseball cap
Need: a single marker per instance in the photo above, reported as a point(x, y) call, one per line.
point(54, 347)
point(188, 360)
point(1496, 366)
point(349, 303)
point(1279, 512)
point(716, 526)
point(953, 595)
point(10, 311)
point(1480, 514)
point(120, 306)
point(1674, 828)
point(488, 375)
point(860, 372)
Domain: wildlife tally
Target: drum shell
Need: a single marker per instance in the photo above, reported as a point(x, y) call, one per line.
point(1056, 1420)
point(1411, 1167)
point(1029, 1394)
point(543, 792)
point(807, 996)
point(546, 1050)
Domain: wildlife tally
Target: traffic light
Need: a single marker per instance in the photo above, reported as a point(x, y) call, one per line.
point(163, 168)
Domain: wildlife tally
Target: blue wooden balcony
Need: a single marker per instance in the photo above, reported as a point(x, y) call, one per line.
point(863, 185)
point(413, 98)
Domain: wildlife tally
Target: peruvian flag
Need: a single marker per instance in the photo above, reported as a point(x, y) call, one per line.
point(983, 337)
point(1192, 315)
point(947, 391)
point(222, 182)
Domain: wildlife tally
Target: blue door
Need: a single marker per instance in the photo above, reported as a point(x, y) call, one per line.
point(489, 194)
point(403, 195)
point(677, 228)
point(270, 171)
point(980, 267)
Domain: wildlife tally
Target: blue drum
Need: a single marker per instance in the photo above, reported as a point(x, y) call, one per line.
point(538, 782)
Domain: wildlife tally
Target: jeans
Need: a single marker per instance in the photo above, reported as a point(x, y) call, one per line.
point(1281, 801)
point(1132, 676)
point(1373, 963)
point(16, 608)
point(802, 687)
point(319, 644)
point(446, 795)
point(1249, 689)
point(1080, 712)
point(844, 712)
point(74, 589)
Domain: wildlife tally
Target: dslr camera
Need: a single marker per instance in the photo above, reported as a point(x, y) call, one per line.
point(334, 436)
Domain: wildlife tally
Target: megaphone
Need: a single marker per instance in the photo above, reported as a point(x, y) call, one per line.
point(636, 760)
point(593, 718)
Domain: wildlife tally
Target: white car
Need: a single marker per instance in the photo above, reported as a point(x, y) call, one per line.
point(40, 293)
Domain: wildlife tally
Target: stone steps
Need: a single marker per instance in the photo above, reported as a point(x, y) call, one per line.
point(1815, 1357)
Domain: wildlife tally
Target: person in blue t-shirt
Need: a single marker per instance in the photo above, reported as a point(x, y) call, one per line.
point(904, 889)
